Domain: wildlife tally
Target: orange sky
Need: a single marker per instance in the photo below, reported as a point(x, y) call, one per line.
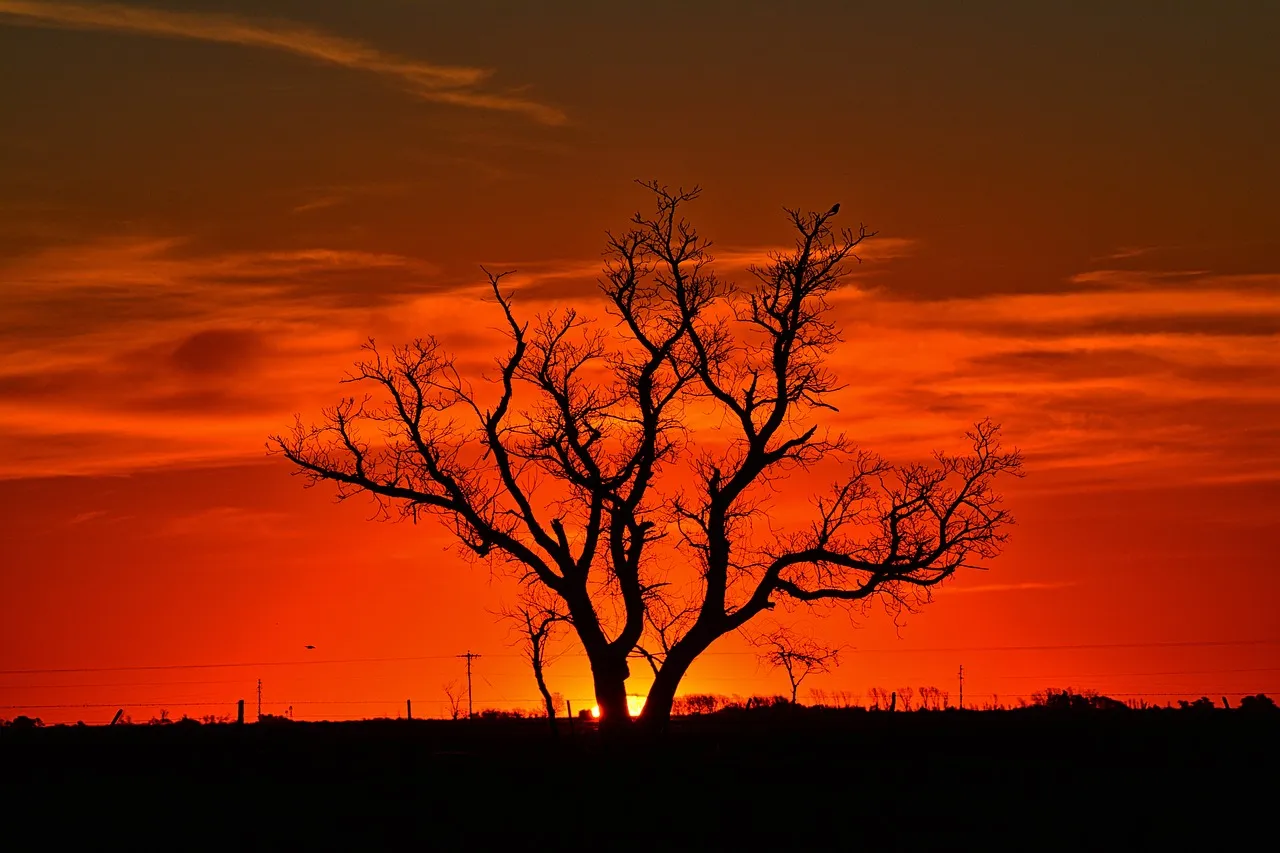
point(206, 207)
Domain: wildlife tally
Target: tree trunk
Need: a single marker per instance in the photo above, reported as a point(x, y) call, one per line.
point(657, 707)
point(546, 696)
point(610, 681)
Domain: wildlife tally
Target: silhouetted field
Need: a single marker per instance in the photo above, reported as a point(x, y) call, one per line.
point(842, 779)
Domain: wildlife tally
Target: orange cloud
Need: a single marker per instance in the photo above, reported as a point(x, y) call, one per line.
point(447, 84)
point(124, 355)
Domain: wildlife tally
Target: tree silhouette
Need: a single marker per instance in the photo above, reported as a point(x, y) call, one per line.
point(536, 616)
point(797, 656)
point(454, 697)
point(627, 467)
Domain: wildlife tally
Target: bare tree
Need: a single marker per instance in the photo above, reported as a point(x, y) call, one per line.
point(455, 696)
point(796, 655)
point(536, 616)
point(583, 464)
point(906, 693)
point(847, 698)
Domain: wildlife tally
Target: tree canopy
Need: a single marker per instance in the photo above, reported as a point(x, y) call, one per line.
point(624, 464)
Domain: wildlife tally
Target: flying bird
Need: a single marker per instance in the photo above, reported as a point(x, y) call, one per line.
point(835, 208)
point(310, 647)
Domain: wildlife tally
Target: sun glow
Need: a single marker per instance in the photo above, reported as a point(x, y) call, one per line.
point(635, 704)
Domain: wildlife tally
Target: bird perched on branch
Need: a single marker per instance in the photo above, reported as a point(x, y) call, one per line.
point(835, 208)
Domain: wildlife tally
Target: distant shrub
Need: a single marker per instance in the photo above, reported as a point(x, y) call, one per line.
point(24, 722)
point(1068, 700)
point(1257, 702)
point(498, 714)
point(1202, 705)
point(274, 719)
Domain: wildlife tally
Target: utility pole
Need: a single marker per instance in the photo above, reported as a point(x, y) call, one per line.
point(961, 687)
point(469, 655)
point(259, 700)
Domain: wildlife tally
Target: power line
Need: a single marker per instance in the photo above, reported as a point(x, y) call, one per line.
point(1021, 648)
point(748, 677)
point(177, 666)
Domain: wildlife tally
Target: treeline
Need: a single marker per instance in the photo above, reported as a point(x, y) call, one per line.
point(934, 699)
point(878, 699)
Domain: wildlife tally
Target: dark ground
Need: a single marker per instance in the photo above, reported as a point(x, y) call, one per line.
point(1014, 780)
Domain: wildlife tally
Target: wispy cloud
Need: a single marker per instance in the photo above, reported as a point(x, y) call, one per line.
point(121, 355)
point(447, 84)
point(126, 354)
point(1165, 379)
point(1027, 586)
point(82, 517)
point(224, 521)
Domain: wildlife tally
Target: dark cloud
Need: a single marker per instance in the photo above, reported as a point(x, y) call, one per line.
point(201, 372)
point(219, 351)
point(1112, 363)
point(1066, 364)
point(1215, 325)
point(44, 385)
point(213, 402)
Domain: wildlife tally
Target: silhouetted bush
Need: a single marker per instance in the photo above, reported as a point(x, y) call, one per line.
point(1068, 700)
point(498, 714)
point(1202, 705)
point(1257, 702)
point(24, 722)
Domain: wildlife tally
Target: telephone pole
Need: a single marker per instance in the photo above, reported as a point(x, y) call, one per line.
point(961, 687)
point(259, 700)
point(469, 655)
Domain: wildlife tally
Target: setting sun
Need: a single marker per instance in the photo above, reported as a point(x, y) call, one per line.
point(635, 704)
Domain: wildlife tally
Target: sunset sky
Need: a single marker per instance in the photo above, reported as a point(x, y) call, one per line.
point(205, 208)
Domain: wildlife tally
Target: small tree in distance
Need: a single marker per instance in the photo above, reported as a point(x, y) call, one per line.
point(626, 468)
point(454, 697)
point(797, 656)
point(535, 618)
